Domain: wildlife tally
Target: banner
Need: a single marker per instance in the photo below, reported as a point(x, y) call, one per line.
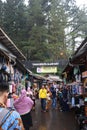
point(46, 69)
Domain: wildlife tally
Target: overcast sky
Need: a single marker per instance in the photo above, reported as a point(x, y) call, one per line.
point(79, 2)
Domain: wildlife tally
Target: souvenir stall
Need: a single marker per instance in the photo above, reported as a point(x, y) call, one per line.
point(73, 80)
point(7, 70)
point(11, 68)
point(76, 88)
point(4, 68)
point(10, 56)
point(75, 94)
point(84, 78)
point(76, 78)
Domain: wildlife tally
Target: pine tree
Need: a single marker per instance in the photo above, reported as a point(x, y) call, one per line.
point(15, 19)
point(1, 13)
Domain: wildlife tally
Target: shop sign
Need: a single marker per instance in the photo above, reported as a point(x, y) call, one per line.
point(46, 69)
point(46, 64)
point(84, 74)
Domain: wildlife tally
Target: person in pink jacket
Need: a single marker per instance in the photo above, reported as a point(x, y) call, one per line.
point(23, 105)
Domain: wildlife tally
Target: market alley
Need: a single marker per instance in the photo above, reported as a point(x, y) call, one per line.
point(53, 120)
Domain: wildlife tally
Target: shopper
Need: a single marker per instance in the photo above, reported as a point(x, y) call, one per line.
point(29, 92)
point(43, 96)
point(9, 119)
point(60, 99)
point(48, 100)
point(54, 98)
point(24, 105)
point(65, 99)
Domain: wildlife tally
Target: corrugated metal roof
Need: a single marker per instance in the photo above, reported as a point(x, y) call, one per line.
point(78, 57)
point(37, 76)
point(7, 42)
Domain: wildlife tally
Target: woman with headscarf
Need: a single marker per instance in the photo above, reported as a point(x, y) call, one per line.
point(24, 105)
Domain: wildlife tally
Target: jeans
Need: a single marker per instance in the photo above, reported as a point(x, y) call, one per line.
point(43, 104)
point(54, 102)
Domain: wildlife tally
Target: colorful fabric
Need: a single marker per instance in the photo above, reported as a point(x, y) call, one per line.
point(23, 104)
point(43, 93)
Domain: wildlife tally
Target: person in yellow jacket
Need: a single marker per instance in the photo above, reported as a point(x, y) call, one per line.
point(43, 96)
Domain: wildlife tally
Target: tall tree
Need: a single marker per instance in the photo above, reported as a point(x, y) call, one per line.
point(36, 48)
point(15, 19)
point(76, 21)
point(45, 30)
point(1, 13)
point(56, 32)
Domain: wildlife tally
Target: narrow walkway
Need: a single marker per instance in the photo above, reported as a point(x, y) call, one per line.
point(53, 120)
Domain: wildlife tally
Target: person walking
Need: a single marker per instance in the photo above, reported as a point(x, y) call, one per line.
point(43, 96)
point(54, 98)
point(24, 105)
point(60, 97)
point(30, 93)
point(48, 100)
point(65, 99)
point(9, 118)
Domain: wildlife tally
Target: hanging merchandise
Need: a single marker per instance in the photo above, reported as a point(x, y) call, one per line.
point(80, 89)
point(8, 67)
point(16, 77)
point(10, 88)
point(74, 90)
point(77, 89)
point(65, 75)
point(3, 67)
point(73, 102)
point(78, 78)
point(11, 69)
point(4, 76)
point(64, 80)
point(76, 70)
point(77, 100)
point(81, 102)
point(10, 101)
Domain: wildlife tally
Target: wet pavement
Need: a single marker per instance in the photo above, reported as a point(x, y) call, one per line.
point(53, 120)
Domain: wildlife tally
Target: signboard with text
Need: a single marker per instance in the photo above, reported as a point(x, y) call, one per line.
point(50, 69)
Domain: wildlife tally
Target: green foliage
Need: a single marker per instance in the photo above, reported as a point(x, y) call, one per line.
point(14, 21)
point(1, 12)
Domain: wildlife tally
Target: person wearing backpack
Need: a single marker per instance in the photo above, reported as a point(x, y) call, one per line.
point(9, 119)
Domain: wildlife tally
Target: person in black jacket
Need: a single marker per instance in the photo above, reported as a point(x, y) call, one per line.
point(54, 98)
point(65, 99)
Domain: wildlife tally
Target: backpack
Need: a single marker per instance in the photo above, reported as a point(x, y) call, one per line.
point(4, 113)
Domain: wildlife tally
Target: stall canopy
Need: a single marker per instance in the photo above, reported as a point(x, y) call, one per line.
point(78, 58)
point(10, 50)
point(37, 76)
point(8, 43)
point(54, 78)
